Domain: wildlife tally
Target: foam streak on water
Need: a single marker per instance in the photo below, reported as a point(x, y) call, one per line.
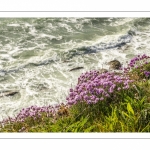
point(36, 54)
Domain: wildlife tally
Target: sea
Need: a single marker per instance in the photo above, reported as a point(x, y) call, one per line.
point(42, 58)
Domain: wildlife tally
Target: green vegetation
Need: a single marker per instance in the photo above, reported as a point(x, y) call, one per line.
point(123, 106)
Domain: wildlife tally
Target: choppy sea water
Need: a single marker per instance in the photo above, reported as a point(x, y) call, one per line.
point(37, 54)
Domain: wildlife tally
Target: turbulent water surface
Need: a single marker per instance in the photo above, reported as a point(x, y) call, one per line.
point(37, 54)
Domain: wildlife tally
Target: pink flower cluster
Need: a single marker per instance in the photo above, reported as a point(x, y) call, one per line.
point(137, 63)
point(93, 87)
point(34, 112)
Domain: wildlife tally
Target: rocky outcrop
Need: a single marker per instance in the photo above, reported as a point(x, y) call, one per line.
point(114, 64)
point(77, 68)
point(103, 70)
point(8, 93)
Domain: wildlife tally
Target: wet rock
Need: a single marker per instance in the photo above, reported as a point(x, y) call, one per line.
point(8, 93)
point(77, 68)
point(114, 64)
point(103, 70)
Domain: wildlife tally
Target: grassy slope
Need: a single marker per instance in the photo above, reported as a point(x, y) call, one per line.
point(130, 112)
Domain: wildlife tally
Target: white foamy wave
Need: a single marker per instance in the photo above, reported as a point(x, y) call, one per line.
point(122, 21)
point(65, 26)
point(13, 25)
point(51, 37)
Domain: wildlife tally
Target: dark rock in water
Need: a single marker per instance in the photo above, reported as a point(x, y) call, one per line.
point(8, 93)
point(103, 70)
point(77, 68)
point(2, 72)
point(114, 64)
